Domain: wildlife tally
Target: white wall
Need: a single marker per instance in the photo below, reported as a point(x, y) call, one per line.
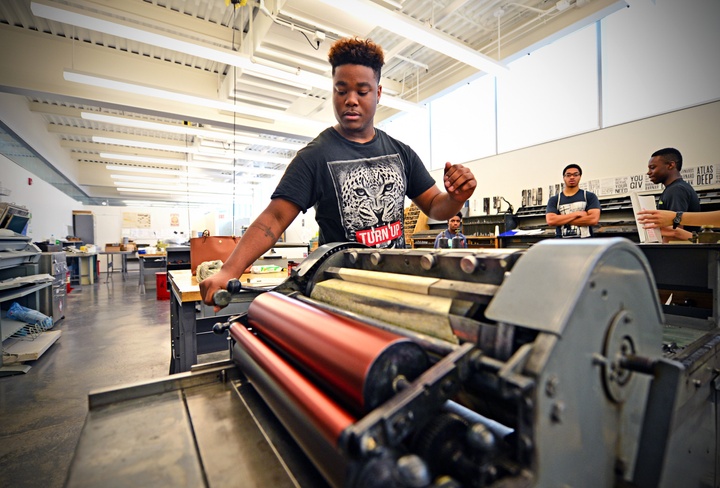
point(621, 150)
point(51, 209)
point(659, 55)
point(109, 224)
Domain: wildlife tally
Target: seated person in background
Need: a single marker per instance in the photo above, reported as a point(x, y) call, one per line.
point(653, 219)
point(453, 230)
point(678, 196)
point(573, 211)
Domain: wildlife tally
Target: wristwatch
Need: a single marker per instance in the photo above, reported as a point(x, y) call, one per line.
point(677, 219)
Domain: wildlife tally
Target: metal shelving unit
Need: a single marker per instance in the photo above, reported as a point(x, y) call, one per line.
point(10, 327)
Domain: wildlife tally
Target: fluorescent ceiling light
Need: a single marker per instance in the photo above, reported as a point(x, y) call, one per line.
point(271, 77)
point(194, 164)
point(137, 169)
point(250, 81)
point(172, 162)
point(150, 203)
point(153, 92)
point(262, 158)
point(422, 34)
point(193, 186)
point(192, 131)
point(185, 179)
point(400, 104)
point(218, 154)
point(175, 200)
point(142, 159)
point(142, 144)
point(72, 16)
point(287, 74)
point(207, 188)
point(393, 4)
point(175, 162)
point(257, 171)
point(207, 158)
point(176, 192)
point(263, 141)
point(295, 60)
point(229, 155)
point(250, 97)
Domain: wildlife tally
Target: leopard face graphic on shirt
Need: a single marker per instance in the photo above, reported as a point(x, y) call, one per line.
point(371, 193)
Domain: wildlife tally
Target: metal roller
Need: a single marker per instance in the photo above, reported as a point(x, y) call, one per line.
point(329, 418)
point(420, 313)
point(362, 364)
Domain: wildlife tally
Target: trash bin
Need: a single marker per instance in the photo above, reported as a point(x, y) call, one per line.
point(161, 286)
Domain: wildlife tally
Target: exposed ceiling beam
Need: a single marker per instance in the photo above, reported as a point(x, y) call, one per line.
point(109, 22)
point(36, 64)
point(420, 33)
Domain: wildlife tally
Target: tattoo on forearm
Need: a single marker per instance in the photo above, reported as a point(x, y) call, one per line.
point(266, 230)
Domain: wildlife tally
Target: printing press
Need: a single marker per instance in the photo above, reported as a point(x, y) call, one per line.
point(429, 368)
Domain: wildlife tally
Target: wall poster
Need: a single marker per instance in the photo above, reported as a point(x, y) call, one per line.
point(132, 220)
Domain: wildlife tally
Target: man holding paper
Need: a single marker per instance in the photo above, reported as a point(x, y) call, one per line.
point(678, 196)
point(653, 219)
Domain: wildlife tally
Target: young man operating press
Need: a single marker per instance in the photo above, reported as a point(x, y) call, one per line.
point(354, 175)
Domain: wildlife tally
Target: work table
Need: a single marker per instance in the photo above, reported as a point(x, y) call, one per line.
point(191, 320)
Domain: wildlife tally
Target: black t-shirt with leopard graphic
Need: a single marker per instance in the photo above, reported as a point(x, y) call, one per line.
point(358, 190)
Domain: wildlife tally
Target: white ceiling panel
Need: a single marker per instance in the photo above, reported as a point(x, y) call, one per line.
point(181, 77)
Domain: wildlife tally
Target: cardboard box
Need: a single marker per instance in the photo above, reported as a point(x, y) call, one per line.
point(47, 247)
point(112, 247)
point(128, 247)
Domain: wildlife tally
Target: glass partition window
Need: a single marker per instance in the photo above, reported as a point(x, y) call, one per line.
point(550, 94)
point(463, 123)
point(654, 58)
point(412, 128)
point(659, 57)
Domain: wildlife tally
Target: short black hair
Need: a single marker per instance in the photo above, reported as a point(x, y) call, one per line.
point(354, 50)
point(459, 214)
point(570, 166)
point(670, 154)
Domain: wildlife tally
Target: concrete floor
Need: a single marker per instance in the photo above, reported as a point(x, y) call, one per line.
point(111, 335)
